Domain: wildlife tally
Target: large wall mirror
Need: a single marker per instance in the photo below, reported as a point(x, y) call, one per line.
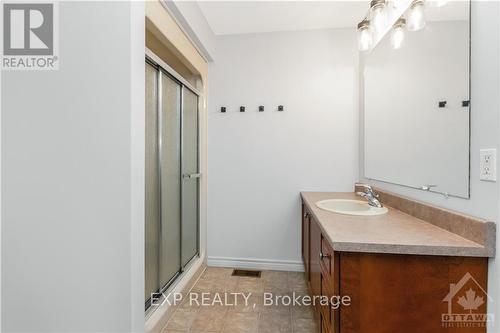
point(416, 104)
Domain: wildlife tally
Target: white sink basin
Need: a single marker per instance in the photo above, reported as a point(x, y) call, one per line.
point(350, 207)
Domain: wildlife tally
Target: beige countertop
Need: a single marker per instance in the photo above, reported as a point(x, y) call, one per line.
point(394, 232)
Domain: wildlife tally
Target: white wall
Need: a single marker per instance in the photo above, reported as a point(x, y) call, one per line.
point(72, 179)
point(485, 132)
point(494, 266)
point(259, 162)
point(137, 165)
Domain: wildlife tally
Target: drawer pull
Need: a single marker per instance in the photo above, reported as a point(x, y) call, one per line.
point(322, 256)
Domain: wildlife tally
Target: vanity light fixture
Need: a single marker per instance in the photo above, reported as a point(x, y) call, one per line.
point(364, 35)
point(398, 33)
point(378, 15)
point(416, 16)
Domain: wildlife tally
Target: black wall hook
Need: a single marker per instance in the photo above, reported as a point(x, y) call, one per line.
point(281, 108)
point(223, 109)
point(242, 109)
point(261, 108)
point(442, 104)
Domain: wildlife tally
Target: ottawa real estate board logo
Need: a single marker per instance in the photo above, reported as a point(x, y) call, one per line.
point(30, 36)
point(466, 305)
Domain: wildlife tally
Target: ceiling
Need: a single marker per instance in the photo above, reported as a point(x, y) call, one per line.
point(239, 17)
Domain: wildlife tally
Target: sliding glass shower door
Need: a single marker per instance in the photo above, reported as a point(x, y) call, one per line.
point(170, 182)
point(190, 176)
point(171, 186)
point(152, 185)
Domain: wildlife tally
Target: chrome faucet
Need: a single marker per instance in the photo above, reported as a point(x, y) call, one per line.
point(369, 195)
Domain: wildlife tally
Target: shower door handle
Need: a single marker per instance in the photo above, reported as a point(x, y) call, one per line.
point(191, 175)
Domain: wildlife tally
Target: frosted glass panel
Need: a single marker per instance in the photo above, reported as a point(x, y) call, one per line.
point(189, 167)
point(170, 258)
point(152, 204)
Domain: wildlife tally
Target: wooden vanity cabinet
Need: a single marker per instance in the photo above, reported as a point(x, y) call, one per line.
point(389, 292)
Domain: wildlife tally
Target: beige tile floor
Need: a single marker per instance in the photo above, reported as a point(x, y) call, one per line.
point(253, 318)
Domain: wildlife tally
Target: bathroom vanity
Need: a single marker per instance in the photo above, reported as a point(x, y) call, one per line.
point(409, 270)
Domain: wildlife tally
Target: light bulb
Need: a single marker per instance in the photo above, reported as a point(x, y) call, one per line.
point(364, 36)
point(398, 34)
point(378, 17)
point(365, 39)
point(397, 3)
point(416, 17)
point(438, 3)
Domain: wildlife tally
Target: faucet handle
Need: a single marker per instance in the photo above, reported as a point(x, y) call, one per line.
point(368, 193)
point(362, 185)
point(367, 188)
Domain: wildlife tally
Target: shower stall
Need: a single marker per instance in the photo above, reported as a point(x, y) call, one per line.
point(171, 176)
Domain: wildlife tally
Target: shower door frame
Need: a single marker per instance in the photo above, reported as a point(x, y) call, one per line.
point(163, 68)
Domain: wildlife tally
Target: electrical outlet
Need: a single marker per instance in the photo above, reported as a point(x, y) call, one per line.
point(488, 165)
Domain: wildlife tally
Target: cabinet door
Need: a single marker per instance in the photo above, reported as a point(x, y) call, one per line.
point(315, 267)
point(325, 309)
point(330, 281)
point(324, 325)
point(305, 241)
point(404, 293)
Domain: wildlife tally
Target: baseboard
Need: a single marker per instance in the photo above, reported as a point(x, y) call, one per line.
point(261, 264)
